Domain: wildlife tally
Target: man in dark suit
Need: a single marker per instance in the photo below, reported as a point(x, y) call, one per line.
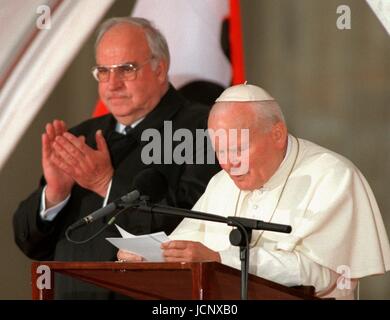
point(94, 163)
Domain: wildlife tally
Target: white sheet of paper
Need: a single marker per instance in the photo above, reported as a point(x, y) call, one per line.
point(124, 233)
point(147, 246)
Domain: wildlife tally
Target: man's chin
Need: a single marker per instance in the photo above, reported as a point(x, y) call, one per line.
point(243, 182)
point(118, 105)
point(119, 110)
point(240, 181)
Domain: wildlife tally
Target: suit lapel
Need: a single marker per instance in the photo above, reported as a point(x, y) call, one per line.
point(168, 106)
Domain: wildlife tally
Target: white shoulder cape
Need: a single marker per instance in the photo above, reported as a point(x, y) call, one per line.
point(333, 213)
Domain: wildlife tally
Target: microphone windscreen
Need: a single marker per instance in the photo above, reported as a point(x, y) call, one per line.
point(150, 182)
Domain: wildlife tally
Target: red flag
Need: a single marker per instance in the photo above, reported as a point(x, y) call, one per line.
point(236, 43)
point(100, 109)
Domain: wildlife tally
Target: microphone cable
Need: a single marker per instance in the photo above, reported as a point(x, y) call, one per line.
point(110, 222)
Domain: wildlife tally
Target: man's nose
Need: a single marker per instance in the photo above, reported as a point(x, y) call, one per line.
point(115, 80)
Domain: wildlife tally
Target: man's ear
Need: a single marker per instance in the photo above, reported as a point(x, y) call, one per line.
point(162, 71)
point(279, 134)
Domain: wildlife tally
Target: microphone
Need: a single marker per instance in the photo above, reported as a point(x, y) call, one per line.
point(148, 182)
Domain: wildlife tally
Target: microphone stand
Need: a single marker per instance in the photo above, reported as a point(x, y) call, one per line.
point(240, 236)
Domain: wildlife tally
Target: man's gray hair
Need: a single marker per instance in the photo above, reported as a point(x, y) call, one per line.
point(268, 113)
point(157, 43)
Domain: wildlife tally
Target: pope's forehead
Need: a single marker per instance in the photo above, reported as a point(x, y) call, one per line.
point(235, 115)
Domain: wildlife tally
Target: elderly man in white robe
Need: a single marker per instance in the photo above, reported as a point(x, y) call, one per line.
point(338, 235)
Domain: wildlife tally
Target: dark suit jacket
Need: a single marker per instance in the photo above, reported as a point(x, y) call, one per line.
point(42, 240)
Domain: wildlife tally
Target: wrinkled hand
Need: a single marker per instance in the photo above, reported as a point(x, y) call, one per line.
point(187, 251)
point(59, 183)
point(90, 168)
point(126, 256)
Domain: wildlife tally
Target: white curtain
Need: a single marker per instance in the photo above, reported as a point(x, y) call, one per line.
point(37, 58)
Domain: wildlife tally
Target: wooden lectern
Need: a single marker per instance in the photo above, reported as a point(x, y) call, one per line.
point(176, 281)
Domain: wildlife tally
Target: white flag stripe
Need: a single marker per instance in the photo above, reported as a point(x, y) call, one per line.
point(192, 29)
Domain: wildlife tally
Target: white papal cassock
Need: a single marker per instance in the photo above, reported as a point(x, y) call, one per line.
point(337, 237)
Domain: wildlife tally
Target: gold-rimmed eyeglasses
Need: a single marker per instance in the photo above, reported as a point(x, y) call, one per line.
point(125, 71)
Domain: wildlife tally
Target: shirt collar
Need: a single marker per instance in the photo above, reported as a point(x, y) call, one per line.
point(287, 151)
point(120, 128)
point(282, 170)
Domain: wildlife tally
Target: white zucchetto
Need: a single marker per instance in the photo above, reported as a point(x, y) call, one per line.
point(244, 92)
